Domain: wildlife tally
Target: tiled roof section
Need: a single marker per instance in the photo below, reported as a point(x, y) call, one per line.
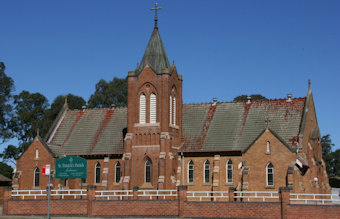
point(154, 55)
point(235, 125)
point(95, 131)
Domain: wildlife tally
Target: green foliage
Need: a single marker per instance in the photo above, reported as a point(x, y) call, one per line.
point(244, 97)
point(332, 159)
point(29, 111)
point(6, 88)
point(6, 170)
point(108, 93)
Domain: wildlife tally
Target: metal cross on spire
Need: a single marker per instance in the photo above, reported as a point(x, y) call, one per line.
point(156, 8)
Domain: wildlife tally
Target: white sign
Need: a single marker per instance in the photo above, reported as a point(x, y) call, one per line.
point(46, 169)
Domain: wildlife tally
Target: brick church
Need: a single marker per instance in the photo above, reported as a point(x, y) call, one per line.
point(157, 142)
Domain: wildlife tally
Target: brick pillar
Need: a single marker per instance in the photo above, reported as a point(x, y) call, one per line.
point(284, 198)
point(90, 198)
point(182, 197)
point(231, 194)
point(7, 197)
point(135, 193)
point(216, 172)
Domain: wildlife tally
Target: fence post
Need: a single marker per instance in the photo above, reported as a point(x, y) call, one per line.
point(182, 197)
point(7, 197)
point(135, 192)
point(90, 198)
point(284, 199)
point(231, 194)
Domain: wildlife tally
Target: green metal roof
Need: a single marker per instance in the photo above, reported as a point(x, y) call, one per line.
point(154, 55)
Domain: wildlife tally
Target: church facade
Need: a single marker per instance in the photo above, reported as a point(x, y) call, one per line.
point(157, 142)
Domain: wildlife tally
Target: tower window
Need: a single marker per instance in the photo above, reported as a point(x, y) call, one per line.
point(170, 119)
point(97, 173)
point(153, 108)
point(117, 177)
point(206, 171)
point(142, 109)
point(190, 172)
point(174, 106)
point(148, 171)
point(229, 171)
point(270, 174)
point(36, 177)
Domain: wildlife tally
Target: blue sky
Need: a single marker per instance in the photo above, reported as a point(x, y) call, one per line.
point(223, 48)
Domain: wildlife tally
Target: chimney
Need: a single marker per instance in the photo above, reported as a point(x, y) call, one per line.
point(113, 106)
point(249, 98)
point(214, 101)
point(289, 97)
point(84, 108)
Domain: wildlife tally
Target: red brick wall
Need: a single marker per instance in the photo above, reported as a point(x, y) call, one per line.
point(313, 211)
point(136, 207)
point(232, 209)
point(39, 207)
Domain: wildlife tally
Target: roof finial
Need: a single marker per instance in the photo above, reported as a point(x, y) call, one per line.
point(309, 83)
point(267, 121)
point(156, 8)
point(38, 134)
point(65, 103)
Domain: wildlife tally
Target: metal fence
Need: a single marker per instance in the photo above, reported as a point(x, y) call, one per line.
point(253, 196)
point(318, 199)
point(64, 193)
point(113, 194)
point(207, 195)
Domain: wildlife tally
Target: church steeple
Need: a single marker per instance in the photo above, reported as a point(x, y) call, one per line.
point(154, 55)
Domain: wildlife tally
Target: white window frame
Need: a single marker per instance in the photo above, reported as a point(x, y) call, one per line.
point(34, 178)
point(95, 173)
point(145, 171)
point(193, 171)
point(142, 109)
point(120, 175)
point(267, 174)
point(268, 147)
point(204, 169)
point(227, 171)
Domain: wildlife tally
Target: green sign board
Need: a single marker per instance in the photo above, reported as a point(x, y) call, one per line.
point(70, 167)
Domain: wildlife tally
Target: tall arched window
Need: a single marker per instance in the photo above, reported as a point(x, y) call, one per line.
point(153, 108)
point(190, 172)
point(170, 119)
point(142, 109)
point(206, 171)
point(148, 171)
point(117, 176)
point(174, 108)
point(36, 177)
point(270, 174)
point(97, 173)
point(229, 171)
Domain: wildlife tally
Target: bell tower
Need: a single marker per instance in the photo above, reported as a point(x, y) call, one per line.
point(154, 119)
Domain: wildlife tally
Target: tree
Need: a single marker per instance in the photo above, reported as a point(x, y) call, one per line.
point(6, 170)
point(73, 102)
point(108, 93)
point(29, 111)
point(332, 159)
point(253, 97)
point(6, 88)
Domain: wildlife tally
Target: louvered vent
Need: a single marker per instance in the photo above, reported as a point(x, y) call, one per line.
point(153, 108)
point(174, 106)
point(170, 121)
point(142, 109)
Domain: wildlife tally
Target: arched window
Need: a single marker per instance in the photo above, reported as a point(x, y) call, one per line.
point(268, 147)
point(97, 173)
point(270, 174)
point(190, 172)
point(170, 119)
point(117, 177)
point(153, 108)
point(36, 177)
point(206, 171)
point(142, 109)
point(229, 171)
point(148, 171)
point(174, 108)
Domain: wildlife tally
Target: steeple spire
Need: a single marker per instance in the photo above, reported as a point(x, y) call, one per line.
point(156, 8)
